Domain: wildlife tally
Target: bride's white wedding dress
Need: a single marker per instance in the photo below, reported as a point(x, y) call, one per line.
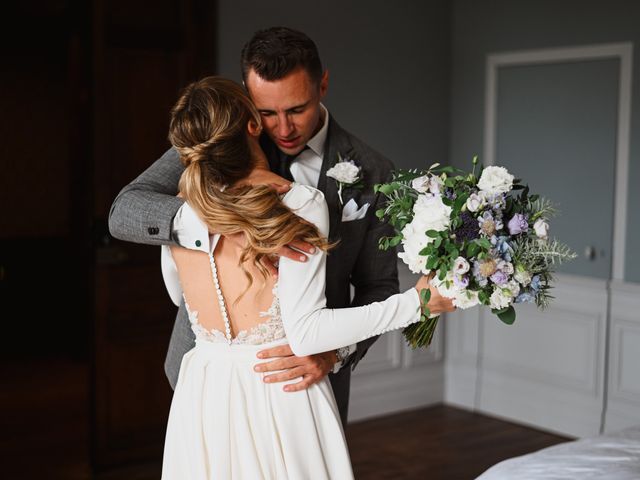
point(225, 422)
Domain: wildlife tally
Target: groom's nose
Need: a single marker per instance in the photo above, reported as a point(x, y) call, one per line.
point(285, 126)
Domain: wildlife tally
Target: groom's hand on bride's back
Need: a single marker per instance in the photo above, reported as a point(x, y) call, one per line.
point(310, 368)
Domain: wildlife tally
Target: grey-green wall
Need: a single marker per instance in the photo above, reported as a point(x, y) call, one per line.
point(389, 66)
point(481, 27)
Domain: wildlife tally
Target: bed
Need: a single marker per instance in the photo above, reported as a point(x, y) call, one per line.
point(615, 456)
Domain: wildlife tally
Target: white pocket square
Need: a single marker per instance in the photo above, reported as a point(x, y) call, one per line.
point(351, 211)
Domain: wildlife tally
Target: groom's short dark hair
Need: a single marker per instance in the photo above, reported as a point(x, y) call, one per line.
point(275, 52)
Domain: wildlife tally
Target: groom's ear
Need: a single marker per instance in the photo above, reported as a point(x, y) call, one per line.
point(324, 83)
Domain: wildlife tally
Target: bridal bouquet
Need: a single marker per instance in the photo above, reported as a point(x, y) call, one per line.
point(483, 237)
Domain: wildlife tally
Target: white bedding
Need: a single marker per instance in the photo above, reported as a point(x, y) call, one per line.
point(612, 457)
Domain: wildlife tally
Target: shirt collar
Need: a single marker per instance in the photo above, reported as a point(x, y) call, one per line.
point(316, 143)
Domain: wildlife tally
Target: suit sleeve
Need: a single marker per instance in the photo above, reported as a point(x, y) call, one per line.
point(375, 274)
point(143, 211)
point(311, 327)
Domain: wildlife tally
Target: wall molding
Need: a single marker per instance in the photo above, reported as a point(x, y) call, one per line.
point(623, 402)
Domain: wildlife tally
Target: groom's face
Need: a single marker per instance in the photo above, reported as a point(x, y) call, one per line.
point(290, 107)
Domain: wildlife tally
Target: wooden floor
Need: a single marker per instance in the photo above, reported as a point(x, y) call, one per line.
point(44, 434)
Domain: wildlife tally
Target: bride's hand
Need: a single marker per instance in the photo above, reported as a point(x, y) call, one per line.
point(437, 303)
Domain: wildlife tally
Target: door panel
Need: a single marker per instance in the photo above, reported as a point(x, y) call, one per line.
point(556, 128)
point(143, 56)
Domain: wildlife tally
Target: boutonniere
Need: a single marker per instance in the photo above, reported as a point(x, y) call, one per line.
point(346, 174)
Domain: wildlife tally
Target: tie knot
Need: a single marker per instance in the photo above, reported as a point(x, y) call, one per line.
point(291, 158)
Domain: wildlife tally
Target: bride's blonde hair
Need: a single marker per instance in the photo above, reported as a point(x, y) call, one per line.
point(209, 129)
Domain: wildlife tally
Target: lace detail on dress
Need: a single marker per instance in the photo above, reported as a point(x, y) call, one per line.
point(265, 332)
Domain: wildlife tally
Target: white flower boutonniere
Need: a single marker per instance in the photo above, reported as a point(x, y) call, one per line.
point(345, 173)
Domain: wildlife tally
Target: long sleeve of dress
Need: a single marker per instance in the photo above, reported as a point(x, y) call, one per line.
point(311, 327)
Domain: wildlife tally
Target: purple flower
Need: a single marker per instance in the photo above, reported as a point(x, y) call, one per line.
point(518, 224)
point(499, 277)
point(488, 224)
point(461, 281)
point(469, 228)
point(497, 202)
point(450, 194)
point(477, 275)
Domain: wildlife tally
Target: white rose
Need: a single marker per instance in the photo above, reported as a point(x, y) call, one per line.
point(446, 287)
point(435, 184)
point(512, 287)
point(420, 184)
point(505, 267)
point(460, 266)
point(500, 299)
point(413, 241)
point(475, 202)
point(541, 228)
point(495, 180)
point(466, 299)
point(522, 276)
point(430, 213)
point(344, 172)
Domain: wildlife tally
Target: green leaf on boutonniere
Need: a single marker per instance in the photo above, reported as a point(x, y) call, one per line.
point(433, 233)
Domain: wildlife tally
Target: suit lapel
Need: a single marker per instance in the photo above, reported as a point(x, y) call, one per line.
point(337, 142)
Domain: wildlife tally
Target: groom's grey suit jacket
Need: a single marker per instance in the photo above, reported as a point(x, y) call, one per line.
point(144, 210)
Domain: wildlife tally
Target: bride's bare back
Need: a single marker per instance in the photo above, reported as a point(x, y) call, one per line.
point(258, 306)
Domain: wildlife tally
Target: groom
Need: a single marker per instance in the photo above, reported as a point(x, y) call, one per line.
point(283, 74)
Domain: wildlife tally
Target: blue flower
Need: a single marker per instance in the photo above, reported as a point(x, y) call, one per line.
point(535, 283)
point(502, 248)
point(525, 297)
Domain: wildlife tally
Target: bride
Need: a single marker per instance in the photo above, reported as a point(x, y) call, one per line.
point(225, 422)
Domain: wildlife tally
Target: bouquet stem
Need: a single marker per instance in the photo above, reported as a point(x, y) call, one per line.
point(420, 334)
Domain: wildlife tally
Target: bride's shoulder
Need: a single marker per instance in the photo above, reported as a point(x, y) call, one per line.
point(301, 195)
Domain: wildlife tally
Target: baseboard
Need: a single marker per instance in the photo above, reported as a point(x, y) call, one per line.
point(373, 396)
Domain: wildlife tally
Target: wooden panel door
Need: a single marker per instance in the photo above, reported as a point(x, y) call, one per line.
point(144, 53)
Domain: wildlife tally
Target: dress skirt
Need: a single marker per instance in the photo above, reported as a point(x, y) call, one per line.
point(226, 423)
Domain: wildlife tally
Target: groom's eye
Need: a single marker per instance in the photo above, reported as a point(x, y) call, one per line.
point(266, 113)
